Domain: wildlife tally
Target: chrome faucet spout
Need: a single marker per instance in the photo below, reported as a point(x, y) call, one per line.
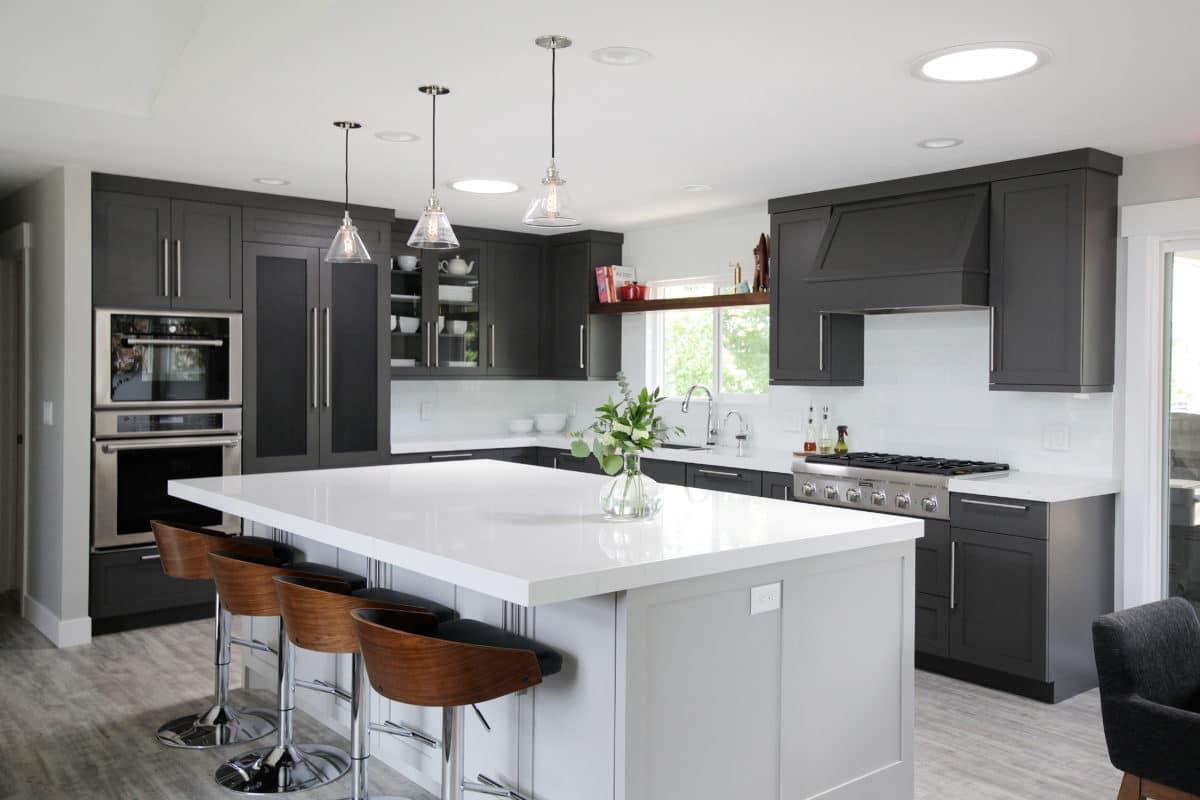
point(710, 428)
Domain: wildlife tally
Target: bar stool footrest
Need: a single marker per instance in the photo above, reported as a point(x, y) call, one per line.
point(326, 688)
point(405, 732)
point(490, 787)
point(253, 644)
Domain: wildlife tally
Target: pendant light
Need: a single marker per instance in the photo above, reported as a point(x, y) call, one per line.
point(552, 207)
point(347, 246)
point(433, 231)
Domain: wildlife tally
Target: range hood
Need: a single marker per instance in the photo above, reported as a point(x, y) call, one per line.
point(915, 252)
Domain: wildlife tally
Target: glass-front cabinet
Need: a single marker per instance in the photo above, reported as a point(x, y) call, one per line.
point(436, 302)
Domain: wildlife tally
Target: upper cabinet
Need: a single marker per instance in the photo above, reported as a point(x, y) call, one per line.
point(1053, 282)
point(580, 344)
point(514, 285)
point(158, 252)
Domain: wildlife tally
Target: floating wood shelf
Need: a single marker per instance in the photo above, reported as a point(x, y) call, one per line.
point(677, 303)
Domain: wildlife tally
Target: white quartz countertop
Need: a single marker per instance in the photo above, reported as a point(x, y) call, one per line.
point(534, 536)
point(1036, 486)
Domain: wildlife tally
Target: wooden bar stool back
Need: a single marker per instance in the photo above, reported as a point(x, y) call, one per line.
point(183, 550)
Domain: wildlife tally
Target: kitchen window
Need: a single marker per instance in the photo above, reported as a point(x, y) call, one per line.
point(725, 349)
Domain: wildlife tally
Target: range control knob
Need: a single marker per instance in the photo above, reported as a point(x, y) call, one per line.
point(831, 493)
point(902, 501)
point(853, 495)
point(808, 490)
point(878, 498)
point(929, 504)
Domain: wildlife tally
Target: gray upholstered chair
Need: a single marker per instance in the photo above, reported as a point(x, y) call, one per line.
point(1148, 660)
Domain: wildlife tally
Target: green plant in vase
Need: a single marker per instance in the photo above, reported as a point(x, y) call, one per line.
point(623, 431)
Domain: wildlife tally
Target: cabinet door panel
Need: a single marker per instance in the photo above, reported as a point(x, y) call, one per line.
point(513, 311)
point(353, 362)
point(206, 248)
point(778, 485)
point(282, 293)
point(933, 559)
point(999, 614)
point(723, 479)
point(455, 309)
point(671, 472)
point(566, 278)
point(131, 250)
point(932, 632)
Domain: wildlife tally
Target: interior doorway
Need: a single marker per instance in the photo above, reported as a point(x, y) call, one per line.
point(14, 427)
point(1181, 396)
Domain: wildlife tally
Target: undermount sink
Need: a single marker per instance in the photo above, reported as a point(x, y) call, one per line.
point(676, 446)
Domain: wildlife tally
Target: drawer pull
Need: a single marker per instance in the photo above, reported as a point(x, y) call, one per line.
point(436, 456)
point(152, 557)
point(718, 473)
point(1008, 506)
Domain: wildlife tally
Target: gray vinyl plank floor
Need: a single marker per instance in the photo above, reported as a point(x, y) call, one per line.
point(79, 723)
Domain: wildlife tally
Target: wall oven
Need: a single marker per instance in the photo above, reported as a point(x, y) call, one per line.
point(165, 359)
point(135, 453)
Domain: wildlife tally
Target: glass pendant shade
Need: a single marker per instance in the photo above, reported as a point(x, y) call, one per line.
point(433, 231)
point(552, 207)
point(347, 246)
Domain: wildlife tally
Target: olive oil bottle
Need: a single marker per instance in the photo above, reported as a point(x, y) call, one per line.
point(825, 443)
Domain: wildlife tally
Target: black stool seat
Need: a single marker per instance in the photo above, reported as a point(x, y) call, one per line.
point(283, 553)
point(470, 631)
point(381, 595)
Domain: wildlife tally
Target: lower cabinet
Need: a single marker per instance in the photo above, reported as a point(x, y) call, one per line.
point(517, 455)
point(932, 624)
point(671, 472)
point(128, 589)
point(725, 479)
point(779, 485)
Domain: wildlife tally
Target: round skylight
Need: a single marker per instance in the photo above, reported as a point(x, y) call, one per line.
point(987, 61)
point(484, 186)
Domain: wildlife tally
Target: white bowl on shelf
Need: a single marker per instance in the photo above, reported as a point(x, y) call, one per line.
point(408, 324)
point(550, 421)
point(458, 326)
point(406, 263)
point(520, 425)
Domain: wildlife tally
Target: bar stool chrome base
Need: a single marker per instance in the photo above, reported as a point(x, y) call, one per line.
point(220, 725)
point(283, 768)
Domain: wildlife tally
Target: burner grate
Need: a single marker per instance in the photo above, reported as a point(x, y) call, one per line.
point(901, 463)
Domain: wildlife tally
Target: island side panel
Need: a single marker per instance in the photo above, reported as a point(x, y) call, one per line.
point(812, 699)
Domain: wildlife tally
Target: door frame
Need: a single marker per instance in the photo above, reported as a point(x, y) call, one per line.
point(17, 243)
point(1150, 231)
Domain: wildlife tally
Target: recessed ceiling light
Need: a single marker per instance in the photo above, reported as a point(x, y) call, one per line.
point(622, 56)
point(397, 136)
point(272, 181)
point(939, 143)
point(484, 186)
point(987, 61)
point(696, 187)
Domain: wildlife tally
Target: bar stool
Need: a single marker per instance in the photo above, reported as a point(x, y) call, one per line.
point(316, 614)
point(247, 587)
point(184, 553)
point(453, 665)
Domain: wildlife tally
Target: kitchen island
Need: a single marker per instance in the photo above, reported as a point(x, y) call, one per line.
point(732, 647)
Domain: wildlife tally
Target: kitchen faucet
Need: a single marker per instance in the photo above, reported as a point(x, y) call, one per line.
point(711, 436)
point(741, 434)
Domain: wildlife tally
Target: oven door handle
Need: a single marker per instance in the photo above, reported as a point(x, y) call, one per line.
point(113, 447)
point(181, 342)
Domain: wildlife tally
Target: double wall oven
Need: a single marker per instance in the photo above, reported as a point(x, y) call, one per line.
point(168, 395)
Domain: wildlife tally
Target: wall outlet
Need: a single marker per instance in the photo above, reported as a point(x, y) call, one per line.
point(47, 412)
point(766, 597)
point(1056, 437)
point(426, 410)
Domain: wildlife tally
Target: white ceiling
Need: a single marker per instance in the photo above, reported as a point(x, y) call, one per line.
point(759, 98)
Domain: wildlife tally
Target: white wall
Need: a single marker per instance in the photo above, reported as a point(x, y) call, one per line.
point(59, 209)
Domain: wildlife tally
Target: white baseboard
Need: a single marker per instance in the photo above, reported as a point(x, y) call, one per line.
point(63, 633)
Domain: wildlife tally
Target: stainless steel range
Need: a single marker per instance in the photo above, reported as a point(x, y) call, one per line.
point(914, 486)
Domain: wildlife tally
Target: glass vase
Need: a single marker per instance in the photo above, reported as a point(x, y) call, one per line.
point(631, 495)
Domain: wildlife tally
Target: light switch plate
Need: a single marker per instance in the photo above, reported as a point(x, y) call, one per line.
point(47, 412)
point(426, 410)
point(765, 598)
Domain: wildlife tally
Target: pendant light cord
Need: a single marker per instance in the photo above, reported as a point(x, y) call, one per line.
point(346, 171)
point(553, 93)
point(433, 147)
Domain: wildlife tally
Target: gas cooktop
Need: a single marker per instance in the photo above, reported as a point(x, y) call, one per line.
point(920, 464)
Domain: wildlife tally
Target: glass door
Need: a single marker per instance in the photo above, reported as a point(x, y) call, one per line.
point(457, 293)
point(1182, 398)
point(410, 347)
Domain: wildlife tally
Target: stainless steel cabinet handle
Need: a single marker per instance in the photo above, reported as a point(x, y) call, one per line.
point(114, 447)
point(176, 342)
point(953, 570)
point(328, 357)
point(1009, 506)
point(492, 342)
point(991, 338)
point(582, 328)
point(152, 557)
point(178, 267)
point(718, 473)
point(166, 267)
point(820, 342)
point(316, 363)
point(428, 358)
point(436, 456)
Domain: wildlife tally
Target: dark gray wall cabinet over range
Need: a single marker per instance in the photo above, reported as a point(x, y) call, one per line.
point(1033, 239)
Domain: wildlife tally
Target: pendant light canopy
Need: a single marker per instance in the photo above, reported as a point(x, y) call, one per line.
point(433, 231)
point(552, 207)
point(347, 246)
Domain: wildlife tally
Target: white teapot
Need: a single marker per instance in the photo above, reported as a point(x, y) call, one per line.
point(457, 266)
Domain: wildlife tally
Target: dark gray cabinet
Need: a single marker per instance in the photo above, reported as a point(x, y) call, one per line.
point(315, 388)
point(579, 344)
point(562, 459)
point(779, 485)
point(998, 609)
point(809, 346)
point(933, 559)
point(512, 309)
point(156, 252)
point(128, 588)
point(725, 479)
point(516, 455)
point(1053, 281)
point(932, 624)
point(669, 472)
